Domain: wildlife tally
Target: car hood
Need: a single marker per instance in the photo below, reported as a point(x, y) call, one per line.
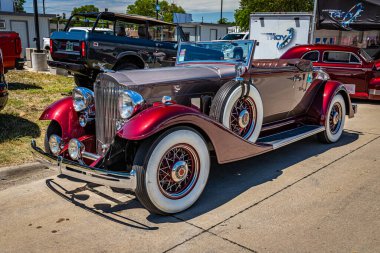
point(176, 74)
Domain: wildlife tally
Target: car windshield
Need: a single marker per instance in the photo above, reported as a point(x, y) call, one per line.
point(233, 36)
point(216, 51)
point(365, 55)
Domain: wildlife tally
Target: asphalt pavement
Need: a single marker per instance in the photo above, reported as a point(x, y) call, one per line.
point(306, 197)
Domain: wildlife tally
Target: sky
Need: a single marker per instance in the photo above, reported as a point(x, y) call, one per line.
point(208, 9)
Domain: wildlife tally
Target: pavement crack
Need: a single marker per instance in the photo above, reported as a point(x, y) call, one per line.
point(260, 201)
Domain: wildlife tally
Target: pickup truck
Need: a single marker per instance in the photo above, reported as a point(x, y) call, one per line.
point(136, 42)
point(10, 44)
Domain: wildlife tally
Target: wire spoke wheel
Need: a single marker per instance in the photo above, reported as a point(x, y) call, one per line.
point(243, 117)
point(335, 119)
point(178, 171)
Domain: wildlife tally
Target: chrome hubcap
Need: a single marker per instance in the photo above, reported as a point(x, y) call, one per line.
point(179, 171)
point(336, 117)
point(243, 118)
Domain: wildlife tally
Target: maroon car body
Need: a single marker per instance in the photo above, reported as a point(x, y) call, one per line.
point(351, 66)
point(179, 114)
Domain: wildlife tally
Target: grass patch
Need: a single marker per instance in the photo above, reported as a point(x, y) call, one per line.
point(29, 94)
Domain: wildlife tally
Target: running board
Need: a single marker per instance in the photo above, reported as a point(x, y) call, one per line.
point(285, 138)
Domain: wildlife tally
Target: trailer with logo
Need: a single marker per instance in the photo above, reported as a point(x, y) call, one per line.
point(277, 32)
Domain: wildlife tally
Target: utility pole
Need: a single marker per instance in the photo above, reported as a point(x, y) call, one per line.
point(36, 26)
point(157, 9)
point(43, 7)
point(221, 11)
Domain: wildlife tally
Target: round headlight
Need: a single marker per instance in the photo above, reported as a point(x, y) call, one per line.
point(129, 102)
point(55, 144)
point(82, 98)
point(75, 149)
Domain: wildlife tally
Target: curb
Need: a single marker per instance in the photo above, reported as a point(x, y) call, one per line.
point(13, 171)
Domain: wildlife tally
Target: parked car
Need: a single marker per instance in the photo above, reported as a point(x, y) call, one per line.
point(152, 130)
point(3, 84)
point(236, 36)
point(350, 65)
point(10, 44)
point(135, 43)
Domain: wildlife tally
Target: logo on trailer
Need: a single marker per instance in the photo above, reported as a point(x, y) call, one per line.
point(346, 18)
point(283, 40)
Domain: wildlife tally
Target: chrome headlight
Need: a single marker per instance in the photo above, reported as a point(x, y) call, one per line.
point(75, 149)
point(320, 74)
point(55, 144)
point(129, 102)
point(82, 98)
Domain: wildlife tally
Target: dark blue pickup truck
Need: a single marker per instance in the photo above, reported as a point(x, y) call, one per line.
point(92, 42)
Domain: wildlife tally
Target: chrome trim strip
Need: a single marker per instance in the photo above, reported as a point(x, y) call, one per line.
point(287, 141)
point(90, 156)
point(374, 92)
point(84, 172)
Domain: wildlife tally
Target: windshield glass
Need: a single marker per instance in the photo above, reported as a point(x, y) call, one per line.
point(365, 55)
point(233, 36)
point(216, 51)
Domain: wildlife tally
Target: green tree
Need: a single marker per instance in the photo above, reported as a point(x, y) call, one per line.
point(223, 21)
point(19, 5)
point(85, 8)
point(248, 6)
point(148, 8)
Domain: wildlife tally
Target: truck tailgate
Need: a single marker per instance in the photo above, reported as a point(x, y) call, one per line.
point(67, 46)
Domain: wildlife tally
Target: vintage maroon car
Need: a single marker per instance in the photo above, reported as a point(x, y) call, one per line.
point(351, 66)
point(153, 130)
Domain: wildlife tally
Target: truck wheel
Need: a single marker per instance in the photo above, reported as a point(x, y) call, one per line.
point(83, 81)
point(335, 119)
point(243, 115)
point(125, 66)
point(53, 128)
point(172, 173)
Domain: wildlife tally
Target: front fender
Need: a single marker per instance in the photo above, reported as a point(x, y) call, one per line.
point(228, 146)
point(62, 111)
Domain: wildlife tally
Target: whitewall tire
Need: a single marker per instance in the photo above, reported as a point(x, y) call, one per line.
point(335, 119)
point(172, 173)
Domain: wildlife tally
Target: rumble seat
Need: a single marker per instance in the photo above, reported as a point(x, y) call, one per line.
point(303, 65)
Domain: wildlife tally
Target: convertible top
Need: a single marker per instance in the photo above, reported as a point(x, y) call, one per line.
point(111, 16)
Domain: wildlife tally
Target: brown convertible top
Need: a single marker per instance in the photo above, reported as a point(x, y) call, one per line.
point(136, 19)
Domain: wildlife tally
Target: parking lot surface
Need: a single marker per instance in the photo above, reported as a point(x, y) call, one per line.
point(306, 197)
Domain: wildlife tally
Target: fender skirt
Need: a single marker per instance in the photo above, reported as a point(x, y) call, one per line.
point(228, 146)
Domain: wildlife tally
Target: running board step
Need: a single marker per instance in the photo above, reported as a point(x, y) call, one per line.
point(285, 138)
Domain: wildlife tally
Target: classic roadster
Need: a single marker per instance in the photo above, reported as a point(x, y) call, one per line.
point(153, 130)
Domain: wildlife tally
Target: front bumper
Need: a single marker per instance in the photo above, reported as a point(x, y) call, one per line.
point(75, 67)
point(84, 172)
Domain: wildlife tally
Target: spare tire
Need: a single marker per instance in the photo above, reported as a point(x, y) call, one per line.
point(239, 108)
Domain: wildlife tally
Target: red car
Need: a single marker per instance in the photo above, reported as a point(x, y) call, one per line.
point(351, 66)
point(153, 130)
point(3, 84)
point(10, 44)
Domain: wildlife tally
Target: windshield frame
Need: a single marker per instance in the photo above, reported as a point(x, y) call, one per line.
point(365, 55)
point(247, 63)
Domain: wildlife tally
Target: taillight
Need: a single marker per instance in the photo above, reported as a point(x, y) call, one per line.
point(18, 45)
point(51, 46)
point(83, 49)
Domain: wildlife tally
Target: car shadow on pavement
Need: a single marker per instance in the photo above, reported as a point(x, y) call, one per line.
point(228, 181)
point(225, 183)
point(13, 127)
point(23, 86)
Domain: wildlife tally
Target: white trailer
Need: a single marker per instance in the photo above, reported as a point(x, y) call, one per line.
point(277, 32)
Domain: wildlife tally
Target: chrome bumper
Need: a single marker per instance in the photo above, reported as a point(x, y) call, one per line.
point(84, 172)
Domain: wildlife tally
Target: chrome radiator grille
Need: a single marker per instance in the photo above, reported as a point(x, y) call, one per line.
point(106, 112)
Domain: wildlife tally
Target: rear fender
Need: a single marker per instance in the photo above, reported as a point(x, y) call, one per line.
point(64, 114)
point(228, 146)
point(322, 101)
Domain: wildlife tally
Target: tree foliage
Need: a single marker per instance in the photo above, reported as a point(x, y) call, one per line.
point(85, 8)
point(148, 8)
point(248, 6)
point(19, 5)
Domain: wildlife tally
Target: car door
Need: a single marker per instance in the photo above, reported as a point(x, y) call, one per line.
point(345, 67)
